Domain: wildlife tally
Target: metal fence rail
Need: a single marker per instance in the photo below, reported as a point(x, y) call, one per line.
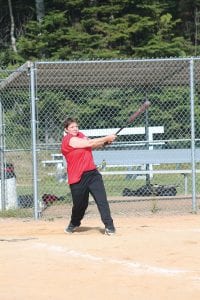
point(36, 98)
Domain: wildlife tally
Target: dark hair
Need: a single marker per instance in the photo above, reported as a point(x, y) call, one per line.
point(69, 121)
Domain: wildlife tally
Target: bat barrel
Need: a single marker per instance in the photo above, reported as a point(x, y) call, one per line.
point(142, 108)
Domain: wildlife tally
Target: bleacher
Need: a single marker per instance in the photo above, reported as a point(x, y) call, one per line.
point(128, 158)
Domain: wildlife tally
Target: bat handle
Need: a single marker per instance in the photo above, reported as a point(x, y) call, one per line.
point(118, 131)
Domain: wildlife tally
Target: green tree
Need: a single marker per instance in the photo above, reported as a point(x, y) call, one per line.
point(163, 43)
point(81, 29)
point(189, 14)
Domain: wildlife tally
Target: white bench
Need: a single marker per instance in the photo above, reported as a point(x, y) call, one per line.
point(136, 157)
point(151, 130)
point(128, 158)
point(149, 143)
point(57, 162)
point(114, 158)
point(57, 158)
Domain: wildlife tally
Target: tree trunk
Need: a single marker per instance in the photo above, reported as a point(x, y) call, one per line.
point(12, 28)
point(40, 11)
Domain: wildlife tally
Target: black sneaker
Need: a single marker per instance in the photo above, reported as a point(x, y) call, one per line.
point(110, 231)
point(70, 228)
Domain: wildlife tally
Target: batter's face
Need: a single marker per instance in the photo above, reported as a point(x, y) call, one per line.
point(73, 129)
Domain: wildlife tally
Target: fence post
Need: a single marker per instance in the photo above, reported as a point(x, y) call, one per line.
point(2, 159)
point(194, 204)
point(33, 136)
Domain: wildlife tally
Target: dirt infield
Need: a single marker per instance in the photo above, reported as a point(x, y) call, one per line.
point(149, 258)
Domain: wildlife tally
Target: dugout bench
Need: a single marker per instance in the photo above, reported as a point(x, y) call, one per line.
point(123, 158)
point(58, 160)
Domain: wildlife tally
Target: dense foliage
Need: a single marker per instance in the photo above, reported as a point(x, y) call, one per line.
point(82, 29)
point(53, 30)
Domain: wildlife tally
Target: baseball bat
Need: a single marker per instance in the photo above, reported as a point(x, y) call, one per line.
point(136, 114)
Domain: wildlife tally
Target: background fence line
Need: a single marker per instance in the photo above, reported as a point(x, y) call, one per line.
point(37, 97)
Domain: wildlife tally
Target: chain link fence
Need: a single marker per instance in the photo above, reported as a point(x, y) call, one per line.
point(152, 167)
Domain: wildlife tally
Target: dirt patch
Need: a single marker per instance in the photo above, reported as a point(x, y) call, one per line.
point(149, 258)
point(128, 206)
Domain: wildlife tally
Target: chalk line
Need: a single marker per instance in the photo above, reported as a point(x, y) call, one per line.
point(131, 265)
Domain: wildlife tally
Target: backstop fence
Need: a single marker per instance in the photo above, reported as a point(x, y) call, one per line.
point(152, 167)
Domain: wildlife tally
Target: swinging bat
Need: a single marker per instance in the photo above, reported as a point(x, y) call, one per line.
point(136, 114)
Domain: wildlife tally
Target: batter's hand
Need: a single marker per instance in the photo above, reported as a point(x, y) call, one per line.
point(110, 138)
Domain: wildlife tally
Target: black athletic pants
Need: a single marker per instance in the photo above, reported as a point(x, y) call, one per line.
point(91, 182)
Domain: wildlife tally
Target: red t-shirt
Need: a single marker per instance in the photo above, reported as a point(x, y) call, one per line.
point(78, 160)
